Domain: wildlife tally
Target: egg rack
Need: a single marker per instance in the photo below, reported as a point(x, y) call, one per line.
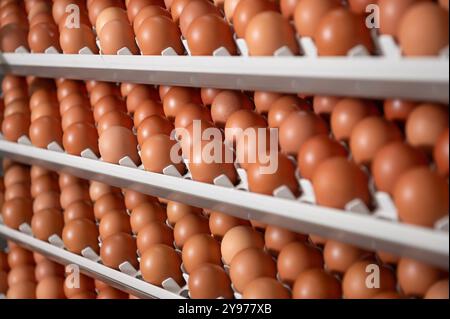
point(370, 231)
point(422, 79)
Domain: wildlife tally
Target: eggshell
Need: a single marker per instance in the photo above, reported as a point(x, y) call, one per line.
point(237, 239)
point(44, 184)
point(106, 203)
point(18, 256)
point(139, 94)
point(50, 288)
point(82, 285)
point(114, 119)
point(43, 36)
point(45, 130)
point(391, 13)
point(134, 199)
point(12, 36)
point(316, 284)
point(220, 223)
point(176, 211)
point(67, 180)
point(21, 274)
point(146, 213)
point(360, 6)
point(200, 249)
point(439, 290)
point(59, 7)
point(441, 153)
point(188, 226)
point(24, 290)
point(146, 109)
point(135, 6)
point(276, 238)
point(398, 110)
point(79, 234)
point(415, 277)
point(153, 233)
point(116, 35)
point(264, 100)
point(324, 105)
point(16, 173)
point(117, 142)
point(157, 154)
point(79, 210)
point(226, 103)
point(229, 7)
point(265, 288)
point(176, 98)
point(47, 268)
point(79, 137)
point(282, 107)
point(10, 82)
point(159, 263)
point(72, 40)
point(102, 89)
point(15, 126)
point(114, 222)
point(149, 11)
point(308, 14)
point(73, 100)
point(46, 200)
point(97, 7)
point(45, 110)
point(189, 113)
point(17, 211)
point(340, 256)
point(177, 7)
point(209, 281)
point(111, 293)
point(73, 193)
point(97, 190)
point(193, 10)
point(21, 190)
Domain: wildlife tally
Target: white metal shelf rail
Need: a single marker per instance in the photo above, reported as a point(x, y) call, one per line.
point(422, 79)
point(375, 234)
point(114, 278)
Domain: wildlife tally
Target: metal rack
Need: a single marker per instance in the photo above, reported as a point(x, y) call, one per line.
point(422, 79)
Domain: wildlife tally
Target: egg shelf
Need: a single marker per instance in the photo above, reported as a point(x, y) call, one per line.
point(423, 79)
point(429, 245)
point(91, 268)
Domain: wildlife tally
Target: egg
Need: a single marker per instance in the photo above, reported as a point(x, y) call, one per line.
point(387, 258)
point(159, 263)
point(79, 234)
point(360, 6)
point(264, 100)
point(398, 110)
point(67, 180)
point(69, 87)
point(439, 290)
point(18, 256)
point(50, 288)
point(139, 94)
point(42, 17)
point(107, 203)
point(276, 31)
point(246, 10)
point(354, 284)
point(11, 81)
point(440, 153)
point(416, 277)
point(16, 173)
point(114, 222)
point(250, 264)
point(149, 11)
point(125, 88)
point(146, 109)
point(73, 193)
point(193, 10)
point(226, 103)
point(97, 190)
point(15, 126)
point(229, 7)
point(287, 8)
point(72, 40)
point(135, 6)
point(208, 33)
point(79, 137)
point(43, 36)
point(96, 8)
point(146, 213)
point(117, 249)
point(17, 106)
point(282, 107)
point(295, 258)
point(43, 95)
point(339, 31)
point(425, 23)
point(59, 8)
point(209, 281)
point(391, 161)
point(82, 285)
point(116, 35)
point(153, 233)
point(316, 284)
point(421, 197)
point(324, 105)
point(79, 210)
point(17, 211)
point(425, 124)
point(44, 131)
point(21, 274)
point(188, 226)
point(309, 13)
point(262, 179)
point(21, 190)
point(177, 7)
point(133, 198)
point(12, 36)
point(111, 293)
point(175, 99)
point(117, 142)
point(47, 268)
point(369, 136)
point(391, 13)
point(265, 288)
point(241, 120)
point(102, 89)
point(189, 113)
point(45, 201)
point(276, 238)
point(220, 223)
point(73, 100)
point(200, 249)
point(176, 211)
point(44, 110)
point(24, 290)
point(114, 119)
point(108, 103)
point(340, 256)
point(347, 114)
point(237, 239)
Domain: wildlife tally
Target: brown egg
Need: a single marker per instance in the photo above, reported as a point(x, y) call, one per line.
point(69, 87)
point(282, 107)
point(146, 109)
point(262, 179)
point(114, 222)
point(220, 223)
point(324, 105)
point(108, 103)
point(19, 256)
point(237, 239)
point(425, 124)
point(46, 200)
point(114, 119)
point(72, 40)
point(189, 113)
point(139, 94)
point(176, 211)
point(158, 151)
point(73, 193)
point(149, 11)
point(276, 238)
point(125, 88)
point(67, 180)
point(43, 36)
point(193, 10)
point(153, 233)
point(135, 6)
point(154, 125)
point(41, 18)
point(439, 290)
point(117, 249)
point(309, 13)
point(360, 6)
point(398, 110)
point(188, 226)
point(79, 234)
point(175, 99)
point(388, 258)
point(339, 31)
point(200, 249)
point(356, 279)
point(97, 190)
point(45, 130)
point(76, 114)
point(79, 137)
point(346, 115)
point(241, 120)
point(340, 256)
point(391, 161)
point(17, 106)
point(17, 211)
point(79, 210)
point(415, 277)
point(111, 293)
point(146, 213)
point(59, 7)
point(24, 290)
point(102, 89)
point(21, 274)
point(158, 33)
point(369, 136)
point(116, 35)
point(45, 110)
point(276, 31)
point(176, 8)
point(338, 181)
point(287, 8)
point(10, 82)
point(265, 288)
point(421, 197)
point(209, 281)
point(12, 36)
point(41, 96)
point(75, 286)
point(117, 142)
point(226, 103)
point(134, 198)
point(15, 126)
point(250, 264)
point(391, 13)
point(264, 100)
point(16, 173)
point(47, 268)
point(208, 33)
point(21, 190)
point(106, 203)
point(424, 23)
point(316, 284)
point(295, 258)
point(246, 10)
point(97, 8)
point(50, 288)
point(159, 263)
point(441, 153)
point(73, 100)
point(38, 171)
